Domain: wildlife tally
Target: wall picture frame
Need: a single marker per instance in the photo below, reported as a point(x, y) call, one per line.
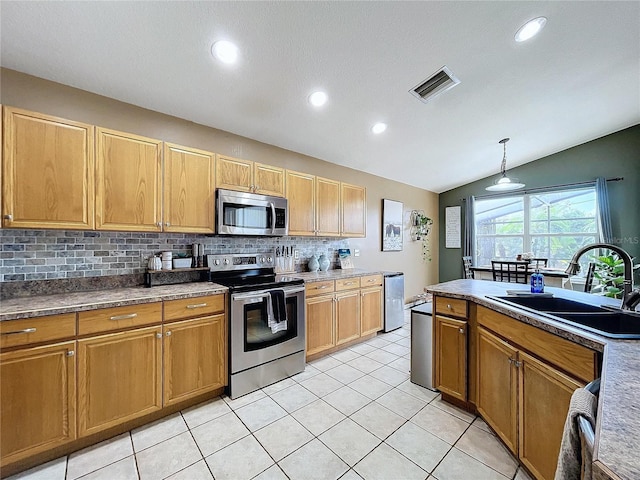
point(392, 231)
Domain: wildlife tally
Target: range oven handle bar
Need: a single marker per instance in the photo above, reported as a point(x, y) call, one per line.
point(265, 293)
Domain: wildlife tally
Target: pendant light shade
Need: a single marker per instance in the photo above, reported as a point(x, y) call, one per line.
point(504, 183)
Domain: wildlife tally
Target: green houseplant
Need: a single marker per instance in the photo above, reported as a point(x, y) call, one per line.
point(420, 229)
point(609, 272)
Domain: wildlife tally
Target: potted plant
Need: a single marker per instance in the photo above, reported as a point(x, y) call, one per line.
point(420, 228)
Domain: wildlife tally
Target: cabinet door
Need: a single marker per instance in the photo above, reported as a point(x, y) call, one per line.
point(327, 207)
point(189, 190)
point(128, 179)
point(268, 180)
point(48, 172)
point(544, 396)
point(347, 316)
point(194, 357)
point(370, 310)
point(119, 378)
point(354, 211)
point(320, 316)
point(497, 386)
point(234, 174)
point(37, 400)
point(301, 194)
point(451, 356)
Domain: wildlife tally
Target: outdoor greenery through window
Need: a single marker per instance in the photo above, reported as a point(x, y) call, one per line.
point(552, 224)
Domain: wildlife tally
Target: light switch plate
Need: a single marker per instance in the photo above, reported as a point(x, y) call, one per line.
point(356, 252)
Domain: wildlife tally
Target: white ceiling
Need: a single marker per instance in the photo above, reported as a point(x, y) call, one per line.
point(578, 80)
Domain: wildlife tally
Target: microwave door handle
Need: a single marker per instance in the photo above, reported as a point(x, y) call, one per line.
point(273, 218)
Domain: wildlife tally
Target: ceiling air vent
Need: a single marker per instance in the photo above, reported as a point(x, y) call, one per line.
point(438, 83)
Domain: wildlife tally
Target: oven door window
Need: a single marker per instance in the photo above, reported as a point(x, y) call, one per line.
point(246, 216)
point(258, 334)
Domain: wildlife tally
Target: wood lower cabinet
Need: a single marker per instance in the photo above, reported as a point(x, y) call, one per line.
point(48, 172)
point(543, 403)
point(347, 316)
point(37, 400)
point(189, 190)
point(119, 378)
point(194, 354)
point(497, 387)
point(370, 310)
point(320, 323)
point(128, 182)
point(451, 356)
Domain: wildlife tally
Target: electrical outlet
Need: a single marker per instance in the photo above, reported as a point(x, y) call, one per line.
point(296, 254)
point(356, 252)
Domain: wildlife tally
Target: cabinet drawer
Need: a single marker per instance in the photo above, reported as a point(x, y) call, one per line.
point(193, 307)
point(108, 319)
point(370, 281)
point(453, 307)
point(347, 283)
point(14, 333)
point(575, 359)
point(319, 288)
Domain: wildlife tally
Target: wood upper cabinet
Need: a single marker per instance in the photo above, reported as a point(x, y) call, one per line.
point(37, 400)
point(354, 211)
point(327, 207)
point(451, 356)
point(195, 353)
point(301, 195)
point(189, 190)
point(268, 180)
point(128, 182)
point(370, 310)
point(48, 172)
point(320, 323)
point(119, 378)
point(347, 316)
point(543, 403)
point(247, 176)
point(497, 386)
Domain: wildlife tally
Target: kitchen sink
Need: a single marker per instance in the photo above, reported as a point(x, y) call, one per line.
point(605, 322)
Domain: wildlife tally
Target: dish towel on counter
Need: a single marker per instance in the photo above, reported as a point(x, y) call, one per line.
point(278, 317)
point(570, 460)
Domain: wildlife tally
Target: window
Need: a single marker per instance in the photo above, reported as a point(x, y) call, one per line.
point(551, 224)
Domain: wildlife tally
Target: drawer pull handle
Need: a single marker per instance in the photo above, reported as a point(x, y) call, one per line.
point(158, 335)
point(370, 280)
point(70, 353)
point(168, 334)
point(462, 330)
point(197, 305)
point(322, 286)
point(124, 317)
point(26, 330)
point(349, 283)
point(449, 306)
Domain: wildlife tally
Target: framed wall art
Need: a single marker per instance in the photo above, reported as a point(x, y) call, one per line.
point(391, 225)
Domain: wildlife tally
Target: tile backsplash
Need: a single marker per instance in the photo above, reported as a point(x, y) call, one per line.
point(61, 254)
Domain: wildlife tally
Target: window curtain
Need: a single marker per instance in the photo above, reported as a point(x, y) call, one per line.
point(469, 226)
point(604, 213)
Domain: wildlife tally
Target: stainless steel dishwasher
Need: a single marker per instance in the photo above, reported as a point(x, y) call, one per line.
point(422, 345)
point(393, 300)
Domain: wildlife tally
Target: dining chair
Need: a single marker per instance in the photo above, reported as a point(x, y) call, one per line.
point(539, 262)
point(467, 264)
point(510, 271)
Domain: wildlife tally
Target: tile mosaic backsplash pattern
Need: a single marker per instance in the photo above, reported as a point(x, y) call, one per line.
point(57, 254)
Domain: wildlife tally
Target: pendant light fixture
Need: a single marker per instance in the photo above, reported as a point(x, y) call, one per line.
point(504, 183)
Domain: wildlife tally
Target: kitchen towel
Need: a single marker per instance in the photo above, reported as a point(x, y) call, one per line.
point(279, 309)
point(572, 461)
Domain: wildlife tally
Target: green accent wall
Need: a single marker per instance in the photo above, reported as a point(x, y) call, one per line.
point(615, 155)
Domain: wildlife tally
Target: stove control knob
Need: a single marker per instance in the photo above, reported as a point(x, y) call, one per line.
point(226, 261)
point(216, 262)
point(269, 259)
point(262, 259)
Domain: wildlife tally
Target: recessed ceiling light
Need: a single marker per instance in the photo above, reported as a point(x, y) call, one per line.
point(530, 29)
point(379, 128)
point(318, 99)
point(225, 51)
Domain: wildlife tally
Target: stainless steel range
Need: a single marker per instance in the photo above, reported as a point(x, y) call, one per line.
point(266, 321)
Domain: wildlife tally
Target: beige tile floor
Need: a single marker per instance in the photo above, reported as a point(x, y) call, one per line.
point(352, 415)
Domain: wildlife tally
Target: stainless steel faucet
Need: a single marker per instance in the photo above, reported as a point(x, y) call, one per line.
point(630, 297)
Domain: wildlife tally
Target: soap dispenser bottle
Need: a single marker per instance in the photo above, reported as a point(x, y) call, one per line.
point(537, 282)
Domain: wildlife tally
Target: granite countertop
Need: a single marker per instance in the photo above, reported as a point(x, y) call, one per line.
point(618, 420)
point(336, 274)
point(41, 305)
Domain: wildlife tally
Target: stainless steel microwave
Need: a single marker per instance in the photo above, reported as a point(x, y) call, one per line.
point(240, 213)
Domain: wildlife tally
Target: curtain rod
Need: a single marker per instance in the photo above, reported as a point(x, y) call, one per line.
point(550, 187)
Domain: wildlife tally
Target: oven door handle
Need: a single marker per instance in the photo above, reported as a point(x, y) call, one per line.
point(273, 218)
point(259, 295)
